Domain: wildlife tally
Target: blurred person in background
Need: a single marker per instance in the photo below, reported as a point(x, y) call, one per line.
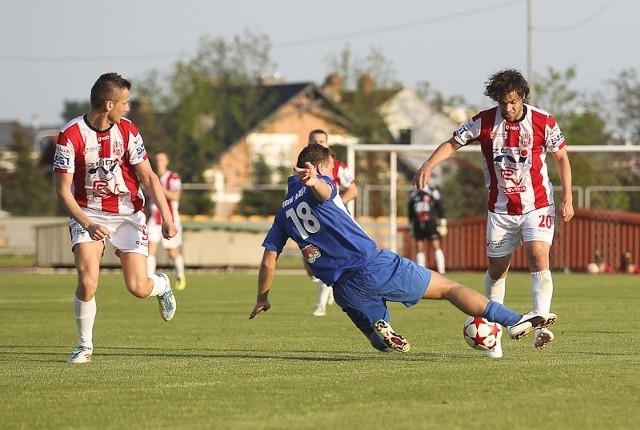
point(171, 187)
point(427, 224)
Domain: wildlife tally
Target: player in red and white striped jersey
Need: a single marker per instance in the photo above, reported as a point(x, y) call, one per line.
point(515, 139)
point(172, 188)
point(100, 163)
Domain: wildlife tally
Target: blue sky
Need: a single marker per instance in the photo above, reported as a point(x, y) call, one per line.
point(54, 51)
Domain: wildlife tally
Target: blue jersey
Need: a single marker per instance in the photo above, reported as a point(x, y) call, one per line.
point(330, 240)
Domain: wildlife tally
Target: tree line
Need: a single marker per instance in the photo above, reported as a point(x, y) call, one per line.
point(194, 111)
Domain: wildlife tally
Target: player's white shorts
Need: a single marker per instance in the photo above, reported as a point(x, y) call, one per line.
point(155, 235)
point(505, 233)
point(128, 232)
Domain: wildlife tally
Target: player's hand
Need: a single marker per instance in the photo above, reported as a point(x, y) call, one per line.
point(307, 174)
point(98, 232)
point(422, 177)
point(567, 211)
point(169, 229)
point(259, 307)
point(442, 227)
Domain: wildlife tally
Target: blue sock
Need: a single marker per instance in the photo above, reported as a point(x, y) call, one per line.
point(501, 314)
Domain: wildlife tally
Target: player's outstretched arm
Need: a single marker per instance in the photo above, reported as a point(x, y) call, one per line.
point(444, 151)
point(265, 278)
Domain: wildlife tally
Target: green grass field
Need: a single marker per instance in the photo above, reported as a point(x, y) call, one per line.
point(213, 368)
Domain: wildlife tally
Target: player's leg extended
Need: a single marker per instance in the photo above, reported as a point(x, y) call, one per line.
point(473, 303)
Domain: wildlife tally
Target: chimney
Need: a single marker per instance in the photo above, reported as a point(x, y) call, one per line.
point(332, 87)
point(366, 84)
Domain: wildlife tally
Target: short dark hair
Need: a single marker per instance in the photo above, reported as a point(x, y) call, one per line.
point(314, 154)
point(504, 82)
point(316, 131)
point(108, 88)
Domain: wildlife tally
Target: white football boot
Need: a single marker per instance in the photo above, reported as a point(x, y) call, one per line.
point(390, 338)
point(529, 322)
point(82, 354)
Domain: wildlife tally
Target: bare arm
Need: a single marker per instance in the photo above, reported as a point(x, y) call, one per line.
point(65, 196)
point(171, 195)
point(265, 279)
point(152, 185)
point(444, 151)
point(350, 193)
point(563, 166)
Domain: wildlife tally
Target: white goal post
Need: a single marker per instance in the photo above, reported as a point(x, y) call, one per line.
point(426, 150)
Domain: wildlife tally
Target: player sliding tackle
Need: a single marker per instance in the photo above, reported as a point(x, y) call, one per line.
point(364, 279)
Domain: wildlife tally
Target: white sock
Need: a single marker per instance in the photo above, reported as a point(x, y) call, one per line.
point(85, 318)
point(439, 255)
point(151, 265)
point(421, 259)
point(179, 265)
point(541, 290)
point(495, 289)
point(159, 285)
point(323, 292)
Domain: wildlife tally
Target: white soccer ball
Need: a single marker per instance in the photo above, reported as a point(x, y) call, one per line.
point(480, 333)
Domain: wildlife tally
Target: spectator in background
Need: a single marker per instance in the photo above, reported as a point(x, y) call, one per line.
point(348, 191)
point(626, 263)
point(427, 224)
point(171, 187)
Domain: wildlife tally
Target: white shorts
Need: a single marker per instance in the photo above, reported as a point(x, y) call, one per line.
point(505, 233)
point(128, 232)
point(155, 235)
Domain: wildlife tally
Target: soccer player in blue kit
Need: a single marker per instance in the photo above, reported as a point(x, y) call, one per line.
point(364, 278)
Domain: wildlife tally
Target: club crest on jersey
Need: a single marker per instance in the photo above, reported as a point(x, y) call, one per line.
point(310, 253)
point(117, 148)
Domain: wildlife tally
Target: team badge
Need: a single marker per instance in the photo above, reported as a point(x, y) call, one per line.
point(310, 253)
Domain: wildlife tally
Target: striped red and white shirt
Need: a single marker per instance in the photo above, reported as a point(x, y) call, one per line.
point(341, 175)
point(102, 164)
point(514, 157)
point(170, 181)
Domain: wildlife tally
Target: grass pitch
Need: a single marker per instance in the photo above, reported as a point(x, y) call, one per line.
point(213, 368)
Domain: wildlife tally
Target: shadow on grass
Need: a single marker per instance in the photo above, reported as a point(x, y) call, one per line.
point(199, 353)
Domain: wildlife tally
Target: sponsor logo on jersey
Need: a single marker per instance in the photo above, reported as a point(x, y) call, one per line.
point(514, 190)
point(310, 253)
point(61, 162)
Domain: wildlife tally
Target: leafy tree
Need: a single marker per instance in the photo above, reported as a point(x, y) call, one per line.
point(369, 82)
point(262, 198)
point(210, 100)
point(626, 88)
point(25, 190)
point(438, 100)
point(75, 108)
point(553, 92)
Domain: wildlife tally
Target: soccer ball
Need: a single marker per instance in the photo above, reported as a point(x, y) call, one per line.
point(480, 333)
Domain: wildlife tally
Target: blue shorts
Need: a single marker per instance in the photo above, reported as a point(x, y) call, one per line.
point(363, 293)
